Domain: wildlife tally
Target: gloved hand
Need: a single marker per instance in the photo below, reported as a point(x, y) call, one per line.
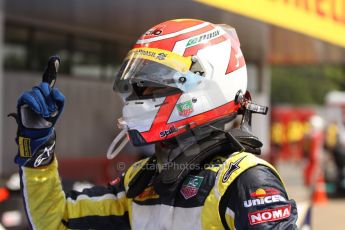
point(37, 112)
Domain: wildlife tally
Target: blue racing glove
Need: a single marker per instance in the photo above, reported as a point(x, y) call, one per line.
point(37, 112)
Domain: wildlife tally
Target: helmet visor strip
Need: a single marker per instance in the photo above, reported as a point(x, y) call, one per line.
point(155, 70)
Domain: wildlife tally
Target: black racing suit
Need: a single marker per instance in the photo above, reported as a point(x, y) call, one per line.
point(238, 192)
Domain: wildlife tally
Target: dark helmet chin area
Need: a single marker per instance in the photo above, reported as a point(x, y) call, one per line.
point(136, 89)
point(136, 138)
point(148, 91)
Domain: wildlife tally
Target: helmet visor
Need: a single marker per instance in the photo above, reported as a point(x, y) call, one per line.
point(156, 70)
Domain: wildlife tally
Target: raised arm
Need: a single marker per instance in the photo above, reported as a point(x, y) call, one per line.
point(46, 204)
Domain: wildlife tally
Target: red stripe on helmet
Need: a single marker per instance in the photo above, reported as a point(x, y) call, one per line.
point(236, 60)
point(170, 27)
point(160, 122)
point(169, 43)
point(210, 115)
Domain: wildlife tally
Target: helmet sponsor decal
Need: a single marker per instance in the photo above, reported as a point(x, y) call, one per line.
point(203, 37)
point(190, 186)
point(167, 58)
point(268, 215)
point(185, 108)
point(156, 31)
point(232, 168)
point(166, 133)
point(263, 196)
point(148, 53)
point(161, 56)
point(169, 34)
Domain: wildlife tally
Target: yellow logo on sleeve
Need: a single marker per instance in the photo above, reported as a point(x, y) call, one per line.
point(24, 147)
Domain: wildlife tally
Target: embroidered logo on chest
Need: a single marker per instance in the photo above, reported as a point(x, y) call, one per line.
point(148, 193)
point(190, 186)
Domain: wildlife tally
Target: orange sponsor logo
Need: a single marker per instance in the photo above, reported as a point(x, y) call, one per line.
point(148, 193)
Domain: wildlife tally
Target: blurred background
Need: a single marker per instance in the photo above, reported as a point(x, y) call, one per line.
point(296, 65)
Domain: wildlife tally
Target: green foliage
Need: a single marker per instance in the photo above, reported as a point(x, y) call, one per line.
point(302, 85)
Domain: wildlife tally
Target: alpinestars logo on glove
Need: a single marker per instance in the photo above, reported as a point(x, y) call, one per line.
point(190, 186)
point(45, 155)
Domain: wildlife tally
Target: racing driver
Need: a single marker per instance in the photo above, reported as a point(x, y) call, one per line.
point(183, 84)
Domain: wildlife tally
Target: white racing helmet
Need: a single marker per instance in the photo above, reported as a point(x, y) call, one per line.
point(180, 74)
